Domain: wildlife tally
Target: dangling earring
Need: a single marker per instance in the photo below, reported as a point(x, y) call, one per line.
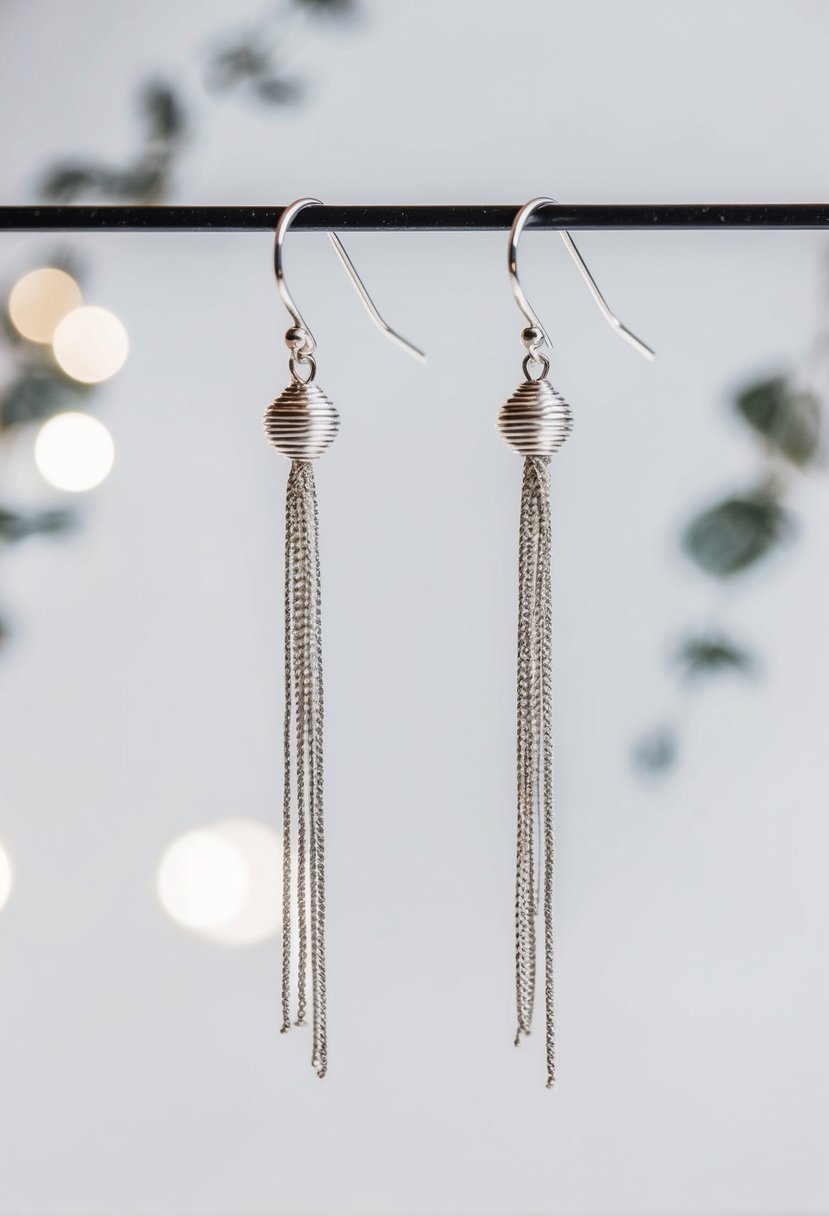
point(301, 423)
point(535, 422)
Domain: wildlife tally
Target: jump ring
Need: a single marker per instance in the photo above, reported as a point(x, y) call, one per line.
point(534, 359)
point(303, 360)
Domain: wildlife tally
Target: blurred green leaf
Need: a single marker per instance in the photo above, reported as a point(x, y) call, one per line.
point(713, 654)
point(38, 391)
point(163, 111)
point(737, 532)
point(237, 63)
point(657, 751)
point(16, 525)
point(787, 417)
point(252, 66)
point(336, 8)
point(67, 180)
point(278, 90)
point(12, 336)
point(145, 181)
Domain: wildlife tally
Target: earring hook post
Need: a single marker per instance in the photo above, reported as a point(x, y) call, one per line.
point(285, 221)
point(523, 303)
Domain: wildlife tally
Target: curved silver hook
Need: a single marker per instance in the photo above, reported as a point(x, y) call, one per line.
point(285, 221)
point(523, 303)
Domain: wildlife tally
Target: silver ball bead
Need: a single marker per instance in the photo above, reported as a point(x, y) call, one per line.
point(301, 423)
point(297, 338)
point(536, 420)
point(531, 336)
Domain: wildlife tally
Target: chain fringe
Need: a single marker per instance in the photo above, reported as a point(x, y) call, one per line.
point(302, 804)
point(534, 754)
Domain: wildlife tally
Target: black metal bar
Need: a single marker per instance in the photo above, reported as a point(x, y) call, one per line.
point(415, 219)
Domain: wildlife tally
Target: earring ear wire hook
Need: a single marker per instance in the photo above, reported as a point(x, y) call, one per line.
point(523, 303)
point(285, 221)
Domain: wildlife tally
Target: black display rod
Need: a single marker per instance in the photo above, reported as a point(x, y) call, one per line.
point(420, 218)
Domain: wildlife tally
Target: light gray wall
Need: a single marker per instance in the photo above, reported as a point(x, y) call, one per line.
point(141, 1071)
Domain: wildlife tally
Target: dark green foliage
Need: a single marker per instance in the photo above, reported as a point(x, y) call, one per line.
point(710, 655)
point(143, 181)
point(146, 178)
point(656, 752)
point(7, 330)
point(17, 525)
point(237, 63)
point(68, 180)
point(163, 112)
point(334, 8)
point(250, 65)
point(737, 532)
point(277, 90)
point(788, 418)
point(38, 390)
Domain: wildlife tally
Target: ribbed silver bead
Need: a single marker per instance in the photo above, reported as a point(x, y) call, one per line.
point(301, 422)
point(536, 420)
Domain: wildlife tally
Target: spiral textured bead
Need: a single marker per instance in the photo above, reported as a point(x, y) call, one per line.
point(301, 422)
point(536, 419)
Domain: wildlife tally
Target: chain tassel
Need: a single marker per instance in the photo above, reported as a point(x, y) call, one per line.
point(534, 753)
point(535, 421)
point(302, 805)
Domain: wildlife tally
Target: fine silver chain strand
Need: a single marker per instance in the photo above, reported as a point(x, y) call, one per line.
point(304, 711)
point(535, 752)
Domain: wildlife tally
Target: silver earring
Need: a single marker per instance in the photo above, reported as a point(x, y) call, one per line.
point(535, 422)
point(301, 423)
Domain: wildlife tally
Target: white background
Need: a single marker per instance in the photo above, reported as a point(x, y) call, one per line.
point(141, 1071)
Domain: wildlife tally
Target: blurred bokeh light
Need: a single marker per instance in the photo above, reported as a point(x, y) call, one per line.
point(90, 344)
point(40, 300)
point(222, 881)
point(74, 451)
point(6, 877)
